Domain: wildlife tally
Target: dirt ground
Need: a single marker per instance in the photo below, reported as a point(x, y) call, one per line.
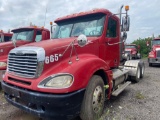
point(139, 101)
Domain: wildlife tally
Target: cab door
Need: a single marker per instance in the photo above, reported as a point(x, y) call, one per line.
point(112, 42)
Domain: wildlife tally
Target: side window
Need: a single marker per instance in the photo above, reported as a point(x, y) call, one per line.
point(112, 28)
point(38, 36)
point(7, 38)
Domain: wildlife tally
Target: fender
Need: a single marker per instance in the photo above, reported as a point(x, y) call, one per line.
point(82, 70)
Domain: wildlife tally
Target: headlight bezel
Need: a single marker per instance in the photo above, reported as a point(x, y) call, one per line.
point(43, 83)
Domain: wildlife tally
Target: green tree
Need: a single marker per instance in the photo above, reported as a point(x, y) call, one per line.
point(144, 49)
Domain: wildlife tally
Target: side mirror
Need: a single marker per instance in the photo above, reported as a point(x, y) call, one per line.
point(125, 23)
point(82, 40)
point(53, 27)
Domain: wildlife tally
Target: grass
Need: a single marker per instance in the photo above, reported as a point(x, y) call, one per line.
point(139, 95)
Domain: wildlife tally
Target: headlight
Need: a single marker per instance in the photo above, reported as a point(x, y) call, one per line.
point(3, 64)
point(58, 81)
point(151, 55)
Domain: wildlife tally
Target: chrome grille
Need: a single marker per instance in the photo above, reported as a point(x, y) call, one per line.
point(24, 65)
point(128, 52)
point(158, 53)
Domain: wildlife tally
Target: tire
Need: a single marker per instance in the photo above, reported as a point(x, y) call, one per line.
point(142, 67)
point(128, 58)
point(150, 64)
point(93, 102)
point(138, 74)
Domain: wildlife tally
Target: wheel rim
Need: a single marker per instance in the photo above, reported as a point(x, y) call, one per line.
point(142, 69)
point(97, 99)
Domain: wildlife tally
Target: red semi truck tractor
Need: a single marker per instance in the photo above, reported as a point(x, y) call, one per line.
point(131, 52)
point(21, 36)
point(154, 54)
point(76, 71)
point(4, 36)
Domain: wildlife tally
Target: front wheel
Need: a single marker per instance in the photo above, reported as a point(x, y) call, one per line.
point(93, 102)
point(150, 64)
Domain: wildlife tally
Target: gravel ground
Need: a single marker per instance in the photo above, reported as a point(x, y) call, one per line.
point(139, 101)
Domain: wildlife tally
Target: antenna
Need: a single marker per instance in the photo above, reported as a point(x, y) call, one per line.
point(45, 16)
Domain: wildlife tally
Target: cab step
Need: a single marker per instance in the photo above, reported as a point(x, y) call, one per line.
point(120, 89)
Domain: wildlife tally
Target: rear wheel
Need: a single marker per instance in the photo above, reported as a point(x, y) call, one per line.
point(128, 57)
point(142, 70)
point(93, 102)
point(138, 74)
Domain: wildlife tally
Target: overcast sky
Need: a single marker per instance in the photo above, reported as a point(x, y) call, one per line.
point(144, 14)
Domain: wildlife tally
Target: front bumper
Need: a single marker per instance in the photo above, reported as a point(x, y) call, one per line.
point(44, 105)
point(154, 60)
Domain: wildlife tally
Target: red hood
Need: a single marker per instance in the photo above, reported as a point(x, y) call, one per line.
point(156, 46)
point(130, 49)
point(52, 43)
point(10, 44)
point(5, 47)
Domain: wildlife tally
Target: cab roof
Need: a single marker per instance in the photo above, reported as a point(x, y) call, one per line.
point(30, 27)
point(75, 15)
point(158, 38)
point(6, 33)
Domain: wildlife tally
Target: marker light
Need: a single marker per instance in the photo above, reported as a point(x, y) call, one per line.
point(3, 64)
point(51, 23)
point(126, 7)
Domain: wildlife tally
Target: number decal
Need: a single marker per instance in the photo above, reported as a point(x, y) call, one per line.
point(47, 60)
point(51, 58)
point(56, 57)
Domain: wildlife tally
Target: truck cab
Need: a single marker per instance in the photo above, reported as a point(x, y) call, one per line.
point(154, 54)
point(76, 71)
point(4, 36)
point(21, 36)
point(131, 50)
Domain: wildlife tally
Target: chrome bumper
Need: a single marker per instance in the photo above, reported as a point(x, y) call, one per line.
point(154, 60)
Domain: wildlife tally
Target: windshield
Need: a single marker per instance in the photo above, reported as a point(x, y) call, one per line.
point(88, 25)
point(26, 35)
point(129, 46)
point(156, 42)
